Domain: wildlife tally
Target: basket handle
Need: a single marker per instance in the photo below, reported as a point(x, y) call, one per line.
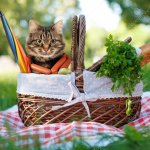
point(77, 49)
point(74, 43)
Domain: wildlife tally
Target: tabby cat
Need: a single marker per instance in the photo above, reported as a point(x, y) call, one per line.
point(45, 45)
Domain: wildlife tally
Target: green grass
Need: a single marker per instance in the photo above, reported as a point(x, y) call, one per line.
point(8, 83)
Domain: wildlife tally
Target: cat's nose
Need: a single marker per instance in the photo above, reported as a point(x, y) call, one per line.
point(46, 47)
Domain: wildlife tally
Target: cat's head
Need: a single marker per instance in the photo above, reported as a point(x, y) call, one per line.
point(45, 43)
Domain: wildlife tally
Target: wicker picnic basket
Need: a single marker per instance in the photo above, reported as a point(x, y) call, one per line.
point(35, 110)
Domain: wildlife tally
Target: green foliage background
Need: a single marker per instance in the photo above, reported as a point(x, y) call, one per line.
point(19, 12)
point(133, 12)
point(135, 18)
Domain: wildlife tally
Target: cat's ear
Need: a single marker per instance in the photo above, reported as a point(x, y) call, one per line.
point(57, 27)
point(33, 26)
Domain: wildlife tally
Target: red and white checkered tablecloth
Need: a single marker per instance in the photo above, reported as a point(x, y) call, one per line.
point(58, 132)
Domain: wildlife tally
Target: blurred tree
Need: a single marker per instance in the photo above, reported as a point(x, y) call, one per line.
point(133, 12)
point(19, 12)
point(139, 34)
point(94, 47)
point(95, 39)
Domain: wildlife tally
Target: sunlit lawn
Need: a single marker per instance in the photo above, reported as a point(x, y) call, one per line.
point(8, 82)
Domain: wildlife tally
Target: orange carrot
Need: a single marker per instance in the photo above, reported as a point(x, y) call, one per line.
point(58, 64)
point(66, 63)
point(28, 60)
point(40, 69)
point(55, 72)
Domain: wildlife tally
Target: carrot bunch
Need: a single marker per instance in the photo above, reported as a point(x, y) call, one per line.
point(63, 62)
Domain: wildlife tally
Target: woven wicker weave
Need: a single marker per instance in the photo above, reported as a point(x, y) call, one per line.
point(37, 110)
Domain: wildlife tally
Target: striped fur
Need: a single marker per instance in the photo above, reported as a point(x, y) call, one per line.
point(45, 45)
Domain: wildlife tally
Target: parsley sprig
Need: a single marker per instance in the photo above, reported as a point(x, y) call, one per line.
point(122, 65)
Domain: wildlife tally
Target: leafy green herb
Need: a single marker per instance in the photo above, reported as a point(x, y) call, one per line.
point(122, 65)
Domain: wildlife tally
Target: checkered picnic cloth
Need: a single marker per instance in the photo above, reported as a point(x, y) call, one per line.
point(60, 132)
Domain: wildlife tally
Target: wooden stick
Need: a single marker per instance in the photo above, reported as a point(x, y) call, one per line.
point(128, 39)
point(96, 65)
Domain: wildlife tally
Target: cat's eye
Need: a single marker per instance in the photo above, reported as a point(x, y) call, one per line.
point(53, 41)
point(39, 41)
